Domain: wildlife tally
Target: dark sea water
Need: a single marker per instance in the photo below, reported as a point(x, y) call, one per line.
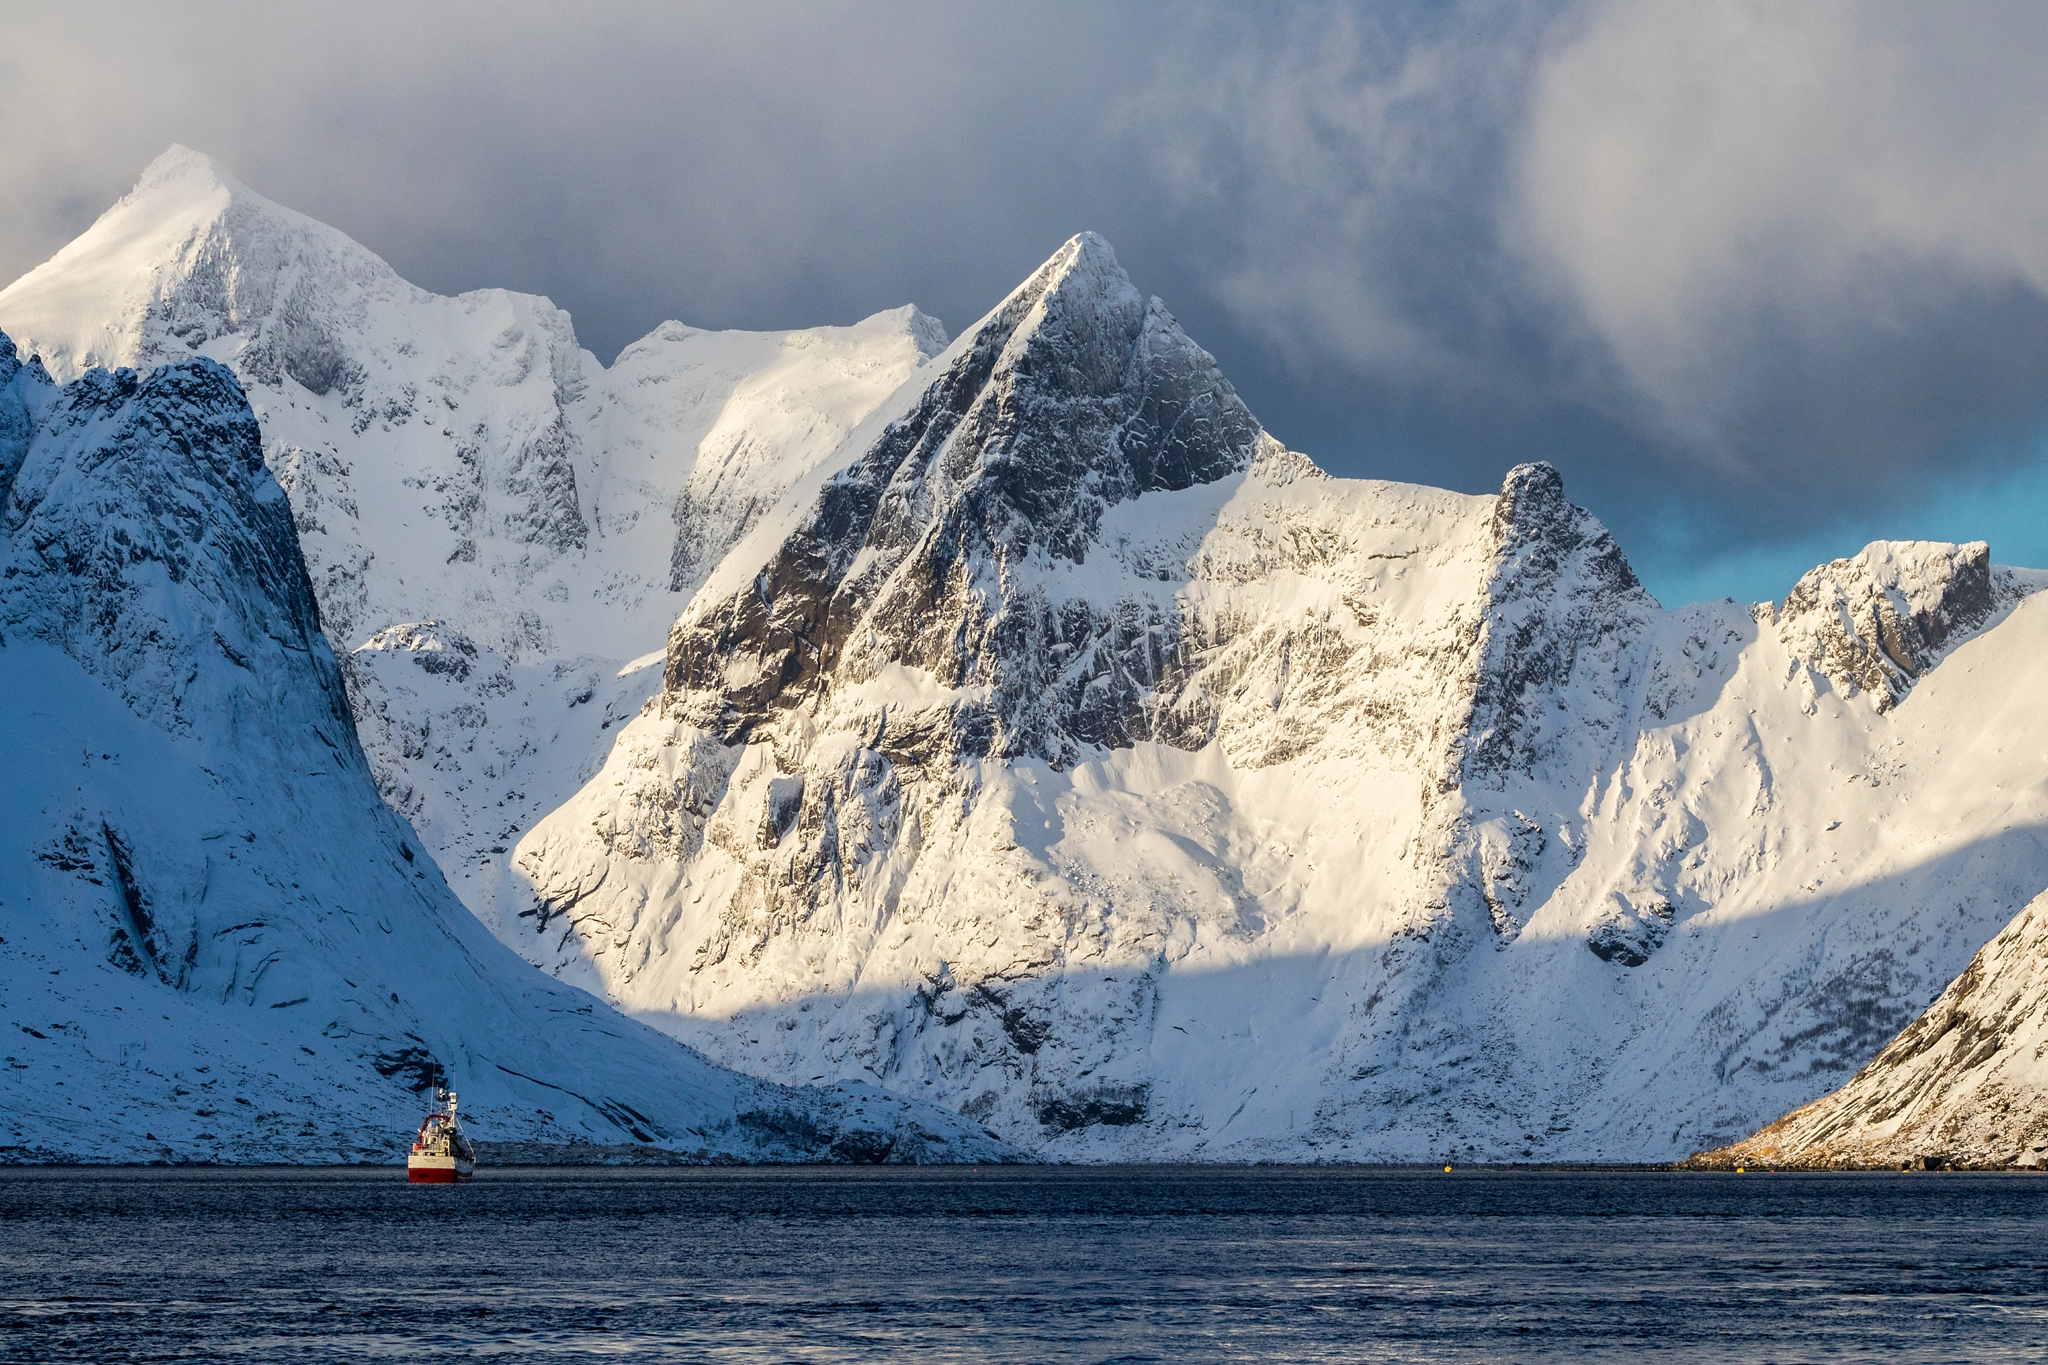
point(1048, 1264)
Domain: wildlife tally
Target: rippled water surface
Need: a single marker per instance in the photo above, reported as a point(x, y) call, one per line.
point(1025, 1265)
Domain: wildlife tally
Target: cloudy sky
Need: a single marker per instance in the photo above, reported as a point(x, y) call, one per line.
point(1765, 281)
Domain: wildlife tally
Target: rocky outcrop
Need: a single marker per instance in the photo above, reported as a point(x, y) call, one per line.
point(1964, 1086)
point(1543, 697)
point(1560, 595)
point(1875, 622)
point(941, 547)
point(146, 539)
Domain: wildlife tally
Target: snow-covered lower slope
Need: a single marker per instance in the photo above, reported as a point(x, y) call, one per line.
point(1070, 752)
point(463, 462)
point(1964, 1083)
point(1963, 1086)
point(216, 942)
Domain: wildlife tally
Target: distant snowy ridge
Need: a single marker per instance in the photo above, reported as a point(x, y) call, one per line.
point(1067, 750)
point(216, 942)
point(462, 461)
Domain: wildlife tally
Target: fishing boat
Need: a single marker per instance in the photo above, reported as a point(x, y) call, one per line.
point(442, 1154)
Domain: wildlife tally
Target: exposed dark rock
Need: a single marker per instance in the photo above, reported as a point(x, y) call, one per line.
point(1027, 1029)
point(415, 1065)
point(160, 517)
point(1075, 395)
point(1630, 933)
point(1115, 1106)
point(1878, 620)
point(1560, 591)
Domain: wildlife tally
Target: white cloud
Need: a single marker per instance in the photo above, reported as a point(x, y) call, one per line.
point(1712, 184)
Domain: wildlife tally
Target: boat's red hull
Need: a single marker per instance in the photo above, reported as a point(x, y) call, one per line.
point(438, 1170)
point(441, 1176)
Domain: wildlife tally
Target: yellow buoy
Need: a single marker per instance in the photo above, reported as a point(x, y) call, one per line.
point(1740, 1169)
point(1447, 1170)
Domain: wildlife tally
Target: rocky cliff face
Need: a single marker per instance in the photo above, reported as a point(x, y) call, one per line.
point(1875, 622)
point(945, 547)
point(147, 540)
point(218, 943)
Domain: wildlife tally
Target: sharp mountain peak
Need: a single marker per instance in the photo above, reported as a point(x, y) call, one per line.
point(183, 167)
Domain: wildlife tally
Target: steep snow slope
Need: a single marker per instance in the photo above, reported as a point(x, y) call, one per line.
point(216, 942)
point(1962, 1086)
point(1068, 751)
point(1964, 1083)
point(460, 470)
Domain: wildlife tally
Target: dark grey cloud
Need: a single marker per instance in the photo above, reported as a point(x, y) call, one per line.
point(1764, 280)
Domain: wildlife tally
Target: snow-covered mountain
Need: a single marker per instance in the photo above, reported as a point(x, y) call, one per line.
point(466, 481)
point(216, 942)
point(1067, 750)
point(1038, 735)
